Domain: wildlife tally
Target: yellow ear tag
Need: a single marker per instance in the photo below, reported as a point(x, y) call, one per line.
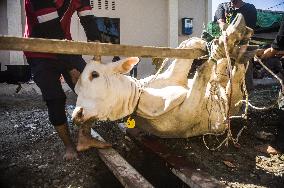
point(130, 123)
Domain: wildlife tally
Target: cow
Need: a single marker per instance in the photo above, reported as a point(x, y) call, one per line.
point(170, 105)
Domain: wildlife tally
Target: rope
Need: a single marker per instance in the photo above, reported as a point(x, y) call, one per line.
point(254, 107)
point(276, 6)
point(213, 55)
point(272, 73)
point(248, 104)
point(229, 134)
point(229, 97)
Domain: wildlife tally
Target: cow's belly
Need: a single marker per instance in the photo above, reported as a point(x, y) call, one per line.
point(170, 125)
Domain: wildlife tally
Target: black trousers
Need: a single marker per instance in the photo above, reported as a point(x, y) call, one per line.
point(46, 74)
point(280, 134)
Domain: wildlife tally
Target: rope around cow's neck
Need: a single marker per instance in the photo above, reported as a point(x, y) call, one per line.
point(212, 57)
point(244, 116)
point(274, 75)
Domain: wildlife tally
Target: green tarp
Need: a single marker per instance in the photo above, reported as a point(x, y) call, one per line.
point(265, 21)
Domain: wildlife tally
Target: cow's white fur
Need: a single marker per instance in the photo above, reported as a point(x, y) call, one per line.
point(171, 105)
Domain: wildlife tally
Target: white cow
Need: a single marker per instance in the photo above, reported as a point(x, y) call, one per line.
point(170, 105)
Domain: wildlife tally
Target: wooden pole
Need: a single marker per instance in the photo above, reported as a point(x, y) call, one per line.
point(94, 48)
point(122, 170)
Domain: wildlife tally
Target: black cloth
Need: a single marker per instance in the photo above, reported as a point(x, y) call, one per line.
point(56, 111)
point(91, 29)
point(279, 141)
point(43, 30)
point(58, 28)
point(52, 20)
point(224, 11)
point(278, 43)
point(46, 74)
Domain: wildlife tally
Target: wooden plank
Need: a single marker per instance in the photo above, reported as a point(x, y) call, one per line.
point(94, 48)
point(122, 170)
point(179, 165)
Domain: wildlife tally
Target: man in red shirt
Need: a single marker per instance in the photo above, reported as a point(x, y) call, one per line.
point(51, 19)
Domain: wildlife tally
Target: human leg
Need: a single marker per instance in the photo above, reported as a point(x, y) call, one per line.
point(280, 135)
point(57, 116)
point(63, 133)
point(46, 75)
point(278, 146)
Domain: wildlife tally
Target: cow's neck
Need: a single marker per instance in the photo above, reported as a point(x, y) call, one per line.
point(130, 94)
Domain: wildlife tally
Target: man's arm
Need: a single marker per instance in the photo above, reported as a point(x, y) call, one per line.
point(278, 43)
point(250, 15)
point(277, 46)
point(221, 17)
point(88, 21)
point(49, 26)
point(48, 20)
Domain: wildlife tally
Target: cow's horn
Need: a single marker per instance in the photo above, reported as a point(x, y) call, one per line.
point(97, 59)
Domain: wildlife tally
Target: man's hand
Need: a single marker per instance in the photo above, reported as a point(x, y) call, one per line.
point(222, 24)
point(269, 52)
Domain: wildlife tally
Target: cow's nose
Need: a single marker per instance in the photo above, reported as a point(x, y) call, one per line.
point(77, 114)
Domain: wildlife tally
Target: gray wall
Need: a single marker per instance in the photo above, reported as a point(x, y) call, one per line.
point(142, 22)
point(150, 23)
point(14, 15)
point(11, 20)
point(145, 23)
point(4, 55)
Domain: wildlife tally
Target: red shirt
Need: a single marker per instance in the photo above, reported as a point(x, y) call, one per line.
point(45, 11)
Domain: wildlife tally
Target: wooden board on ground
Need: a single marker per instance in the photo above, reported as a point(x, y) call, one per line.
point(122, 170)
point(179, 165)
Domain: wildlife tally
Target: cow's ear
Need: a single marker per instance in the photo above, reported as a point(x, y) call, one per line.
point(124, 66)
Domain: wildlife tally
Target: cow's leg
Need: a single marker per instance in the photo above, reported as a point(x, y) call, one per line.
point(86, 141)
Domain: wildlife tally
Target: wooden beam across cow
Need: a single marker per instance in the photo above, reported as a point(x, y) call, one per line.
point(94, 48)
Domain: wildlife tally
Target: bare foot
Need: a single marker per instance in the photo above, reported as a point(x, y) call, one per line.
point(267, 149)
point(70, 154)
point(86, 142)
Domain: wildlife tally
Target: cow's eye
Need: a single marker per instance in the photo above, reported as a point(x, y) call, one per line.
point(95, 74)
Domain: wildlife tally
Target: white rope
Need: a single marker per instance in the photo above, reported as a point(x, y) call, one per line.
point(254, 107)
point(272, 73)
point(229, 94)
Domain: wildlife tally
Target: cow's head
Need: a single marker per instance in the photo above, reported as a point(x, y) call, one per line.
point(104, 93)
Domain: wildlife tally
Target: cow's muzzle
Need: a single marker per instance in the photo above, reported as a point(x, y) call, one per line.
point(79, 118)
